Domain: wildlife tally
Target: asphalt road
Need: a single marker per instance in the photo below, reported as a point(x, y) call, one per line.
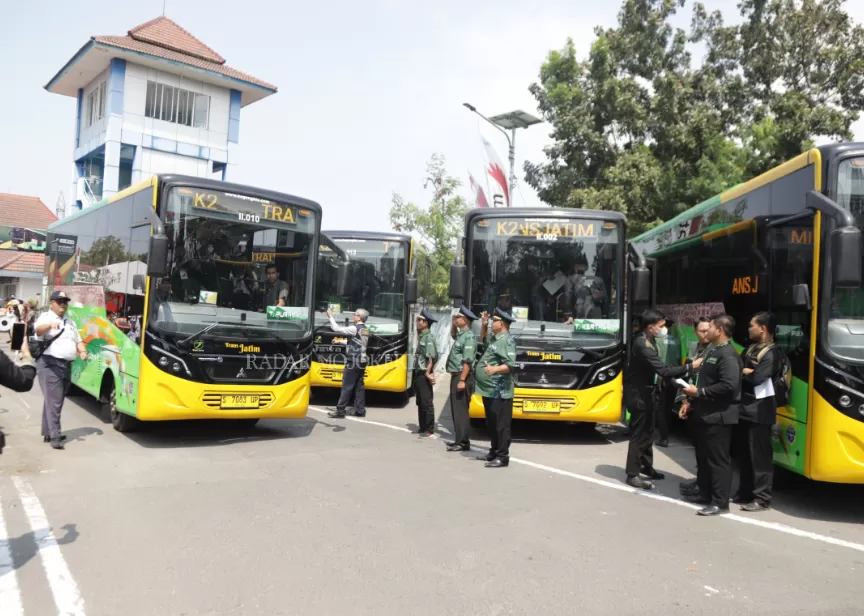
point(321, 516)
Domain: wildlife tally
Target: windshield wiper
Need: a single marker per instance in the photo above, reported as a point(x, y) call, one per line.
point(200, 332)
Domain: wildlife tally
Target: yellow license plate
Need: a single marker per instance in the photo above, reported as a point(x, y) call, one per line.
point(337, 377)
point(239, 402)
point(541, 406)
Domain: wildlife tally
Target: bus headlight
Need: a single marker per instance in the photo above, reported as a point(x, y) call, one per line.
point(163, 361)
point(602, 376)
point(861, 410)
point(845, 400)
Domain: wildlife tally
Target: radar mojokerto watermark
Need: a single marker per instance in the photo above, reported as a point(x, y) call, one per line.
point(281, 362)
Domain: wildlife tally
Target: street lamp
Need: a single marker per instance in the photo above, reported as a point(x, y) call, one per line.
point(504, 122)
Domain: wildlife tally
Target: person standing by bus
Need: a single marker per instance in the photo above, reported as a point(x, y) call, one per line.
point(714, 402)
point(495, 383)
point(459, 365)
point(60, 350)
point(696, 488)
point(355, 364)
point(424, 364)
point(643, 371)
point(758, 413)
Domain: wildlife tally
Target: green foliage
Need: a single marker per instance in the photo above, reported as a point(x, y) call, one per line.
point(439, 226)
point(639, 128)
point(105, 251)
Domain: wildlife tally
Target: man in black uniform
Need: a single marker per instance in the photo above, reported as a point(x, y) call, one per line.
point(714, 402)
point(640, 382)
point(758, 413)
point(424, 363)
point(691, 489)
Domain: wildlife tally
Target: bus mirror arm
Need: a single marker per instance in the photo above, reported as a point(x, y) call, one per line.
point(157, 258)
point(845, 241)
point(640, 277)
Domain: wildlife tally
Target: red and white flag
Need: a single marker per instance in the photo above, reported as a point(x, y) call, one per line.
point(477, 192)
point(499, 191)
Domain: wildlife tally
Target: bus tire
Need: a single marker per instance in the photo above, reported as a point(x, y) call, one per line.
point(586, 426)
point(121, 421)
point(247, 424)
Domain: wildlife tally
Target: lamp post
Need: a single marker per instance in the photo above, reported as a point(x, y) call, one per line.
point(504, 122)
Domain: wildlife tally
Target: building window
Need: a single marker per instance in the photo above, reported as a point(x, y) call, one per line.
point(171, 104)
point(96, 103)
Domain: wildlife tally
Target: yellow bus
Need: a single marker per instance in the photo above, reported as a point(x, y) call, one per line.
point(213, 285)
point(375, 271)
point(560, 272)
point(787, 241)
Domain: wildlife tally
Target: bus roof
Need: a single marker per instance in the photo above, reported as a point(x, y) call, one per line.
point(543, 212)
point(165, 181)
point(826, 153)
point(387, 236)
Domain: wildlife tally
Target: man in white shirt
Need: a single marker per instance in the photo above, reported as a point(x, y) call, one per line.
point(62, 344)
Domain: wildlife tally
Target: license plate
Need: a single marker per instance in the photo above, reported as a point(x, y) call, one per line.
point(239, 402)
point(337, 377)
point(541, 406)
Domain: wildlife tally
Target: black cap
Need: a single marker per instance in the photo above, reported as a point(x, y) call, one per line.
point(500, 315)
point(467, 313)
point(427, 317)
point(59, 296)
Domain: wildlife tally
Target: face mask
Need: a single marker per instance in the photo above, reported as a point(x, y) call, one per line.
point(661, 333)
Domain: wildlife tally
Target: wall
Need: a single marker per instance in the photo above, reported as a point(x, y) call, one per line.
point(165, 146)
point(28, 288)
point(91, 137)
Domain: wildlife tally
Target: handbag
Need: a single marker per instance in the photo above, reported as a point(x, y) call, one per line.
point(38, 347)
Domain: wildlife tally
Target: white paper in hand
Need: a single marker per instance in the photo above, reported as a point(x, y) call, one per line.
point(681, 383)
point(765, 389)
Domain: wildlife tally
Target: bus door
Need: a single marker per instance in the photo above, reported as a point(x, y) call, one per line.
point(789, 247)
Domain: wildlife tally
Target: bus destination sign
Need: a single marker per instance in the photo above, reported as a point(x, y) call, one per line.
point(246, 208)
point(543, 228)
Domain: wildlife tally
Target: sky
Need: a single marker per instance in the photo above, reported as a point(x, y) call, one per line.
point(368, 91)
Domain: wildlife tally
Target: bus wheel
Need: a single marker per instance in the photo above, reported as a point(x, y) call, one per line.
point(247, 424)
point(121, 421)
point(586, 426)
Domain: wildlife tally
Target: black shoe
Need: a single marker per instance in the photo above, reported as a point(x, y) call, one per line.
point(498, 463)
point(47, 439)
point(639, 483)
point(650, 473)
point(360, 414)
point(663, 442)
point(487, 458)
point(458, 447)
point(689, 490)
point(57, 444)
point(336, 414)
point(741, 500)
point(754, 507)
point(712, 510)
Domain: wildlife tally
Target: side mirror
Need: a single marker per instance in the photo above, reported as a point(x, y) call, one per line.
point(846, 257)
point(157, 259)
point(801, 296)
point(640, 285)
point(458, 275)
point(139, 282)
point(343, 279)
point(411, 289)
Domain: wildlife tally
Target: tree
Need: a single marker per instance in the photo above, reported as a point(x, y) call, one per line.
point(638, 128)
point(105, 251)
point(439, 226)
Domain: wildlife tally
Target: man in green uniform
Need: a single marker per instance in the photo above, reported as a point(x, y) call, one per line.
point(424, 363)
point(459, 362)
point(494, 377)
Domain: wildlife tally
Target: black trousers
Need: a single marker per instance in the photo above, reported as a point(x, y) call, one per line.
point(717, 445)
point(425, 406)
point(664, 400)
point(499, 420)
point(755, 461)
point(699, 448)
point(640, 452)
point(459, 401)
point(353, 386)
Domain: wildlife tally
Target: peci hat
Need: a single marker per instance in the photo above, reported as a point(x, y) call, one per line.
point(427, 317)
point(500, 315)
point(465, 312)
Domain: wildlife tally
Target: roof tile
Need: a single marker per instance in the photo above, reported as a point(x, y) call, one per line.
point(24, 211)
point(164, 32)
point(16, 261)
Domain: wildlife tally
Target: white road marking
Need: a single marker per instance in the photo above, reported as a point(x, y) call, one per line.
point(775, 526)
point(67, 598)
point(10, 595)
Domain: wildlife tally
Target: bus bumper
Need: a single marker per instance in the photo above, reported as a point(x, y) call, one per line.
point(836, 447)
point(166, 397)
point(600, 404)
point(392, 376)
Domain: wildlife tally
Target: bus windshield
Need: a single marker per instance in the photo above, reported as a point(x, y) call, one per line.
point(557, 277)
point(236, 262)
point(375, 281)
point(846, 321)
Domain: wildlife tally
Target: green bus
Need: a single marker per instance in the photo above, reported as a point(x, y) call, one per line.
point(787, 241)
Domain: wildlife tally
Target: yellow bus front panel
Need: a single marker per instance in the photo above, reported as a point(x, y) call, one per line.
point(600, 404)
point(167, 397)
point(392, 376)
point(836, 448)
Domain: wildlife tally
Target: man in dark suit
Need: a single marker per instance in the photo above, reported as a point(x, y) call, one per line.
point(714, 401)
point(758, 413)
